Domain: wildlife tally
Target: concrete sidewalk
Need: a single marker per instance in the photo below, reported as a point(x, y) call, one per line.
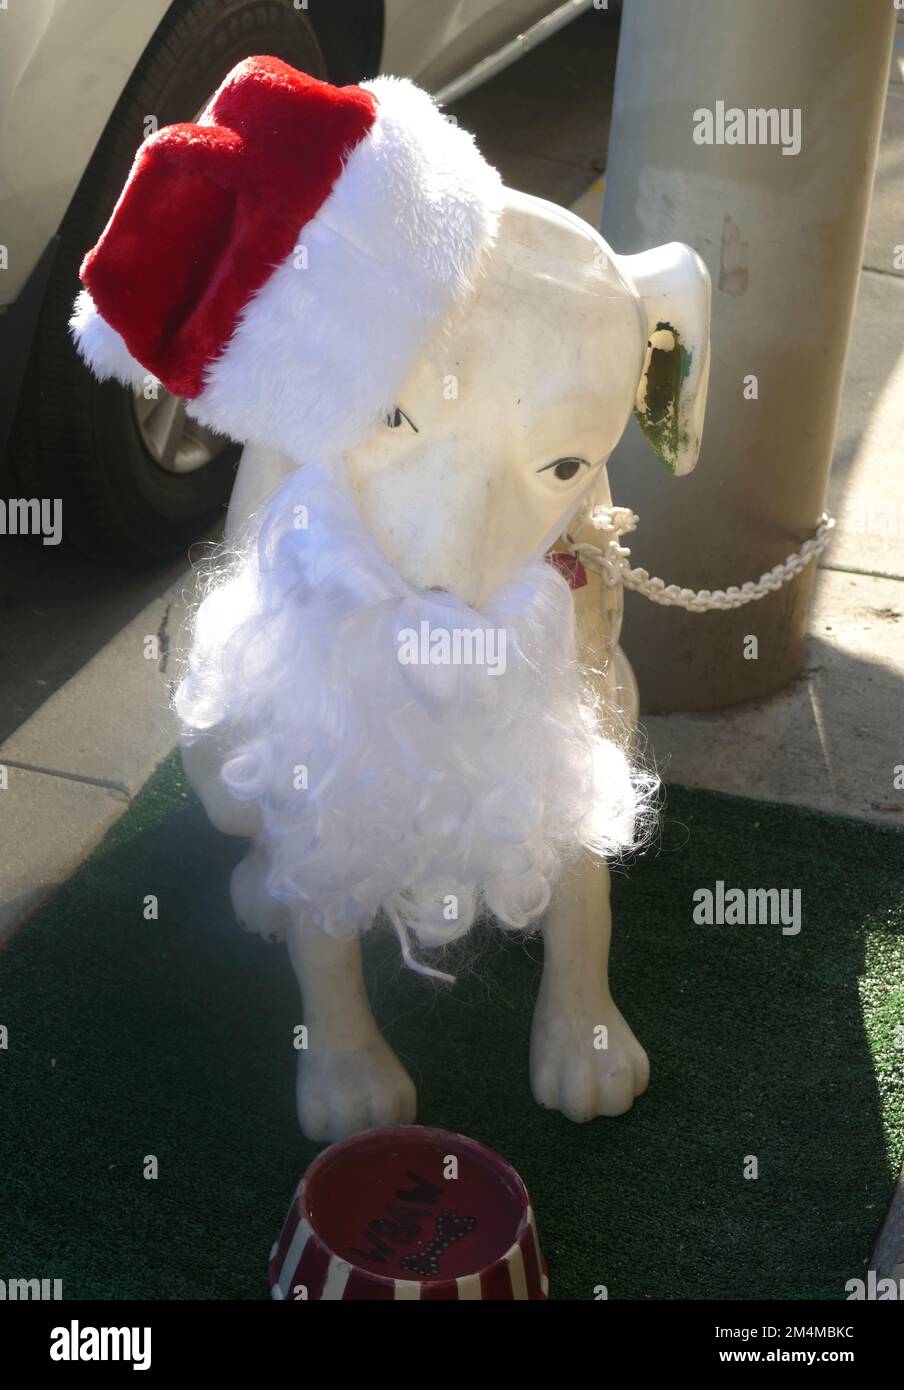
point(73, 767)
point(831, 741)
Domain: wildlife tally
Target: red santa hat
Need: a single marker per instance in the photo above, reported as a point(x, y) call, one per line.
point(282, 263)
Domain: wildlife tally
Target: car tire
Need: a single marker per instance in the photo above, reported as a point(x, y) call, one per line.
point(80, 440)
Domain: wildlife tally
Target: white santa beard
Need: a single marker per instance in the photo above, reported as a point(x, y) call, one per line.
point(430, 790)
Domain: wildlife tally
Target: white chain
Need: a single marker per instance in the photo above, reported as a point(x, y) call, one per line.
point(613, 564)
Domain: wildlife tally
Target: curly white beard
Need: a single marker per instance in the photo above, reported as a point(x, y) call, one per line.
point(433, 791)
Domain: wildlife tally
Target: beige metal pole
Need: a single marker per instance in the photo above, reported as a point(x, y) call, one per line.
point(782, 235)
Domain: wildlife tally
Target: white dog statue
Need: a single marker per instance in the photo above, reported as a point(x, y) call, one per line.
point(391, 691)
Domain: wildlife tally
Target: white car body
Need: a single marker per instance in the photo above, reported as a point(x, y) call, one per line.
point(64, 64)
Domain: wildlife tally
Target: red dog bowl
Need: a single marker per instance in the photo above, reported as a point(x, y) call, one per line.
point(409, 1212)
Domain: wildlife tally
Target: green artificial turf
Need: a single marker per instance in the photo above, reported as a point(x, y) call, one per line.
point(130, 1037)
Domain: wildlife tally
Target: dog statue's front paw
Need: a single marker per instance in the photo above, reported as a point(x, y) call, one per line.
point(341, 1092)
point(585, 1061)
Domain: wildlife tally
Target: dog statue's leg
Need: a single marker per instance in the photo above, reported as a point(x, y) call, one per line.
point(584, 1059)
point(348, 1076)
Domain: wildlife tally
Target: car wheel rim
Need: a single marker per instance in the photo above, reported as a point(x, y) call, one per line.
point(175, 442)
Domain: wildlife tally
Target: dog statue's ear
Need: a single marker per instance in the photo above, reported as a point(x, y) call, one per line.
point(674, 288)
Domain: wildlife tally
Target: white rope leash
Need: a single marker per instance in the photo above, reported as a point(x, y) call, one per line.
point(612, 563)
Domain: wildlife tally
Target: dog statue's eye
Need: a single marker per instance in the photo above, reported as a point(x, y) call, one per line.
point(564, 469)
point(396, 418)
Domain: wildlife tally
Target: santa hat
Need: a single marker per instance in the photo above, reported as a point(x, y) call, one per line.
point(283, 262)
